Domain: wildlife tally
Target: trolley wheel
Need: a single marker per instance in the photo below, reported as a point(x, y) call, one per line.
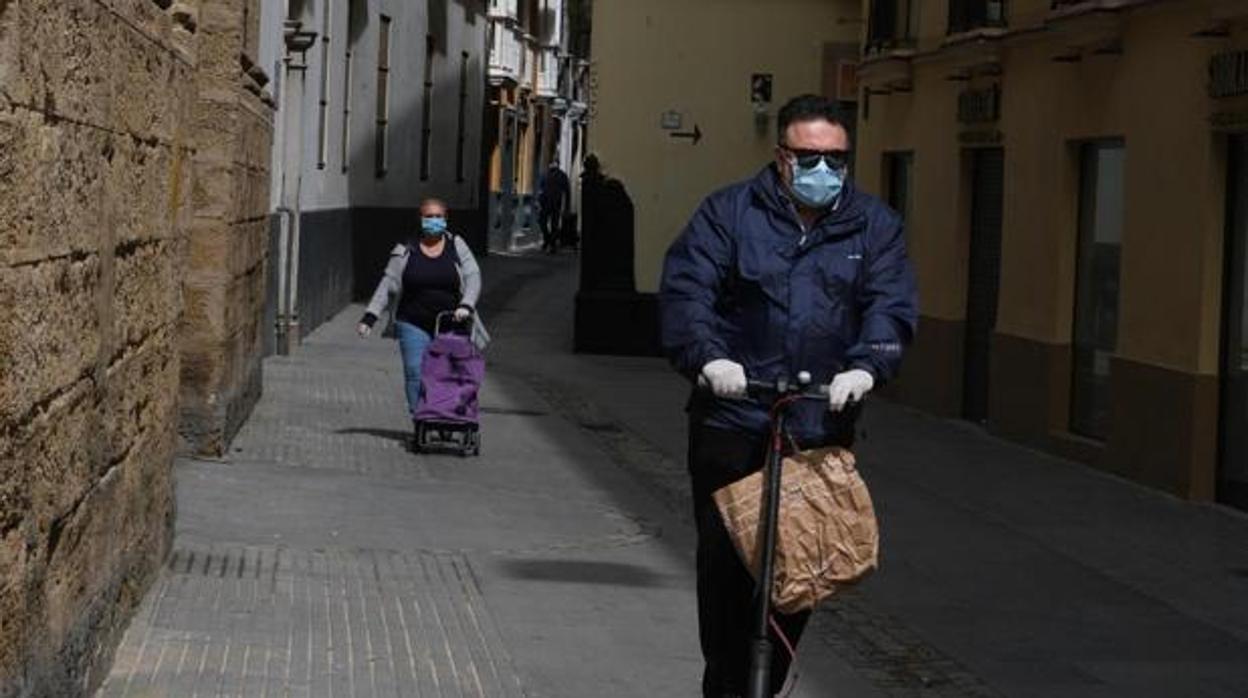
point(418, 439)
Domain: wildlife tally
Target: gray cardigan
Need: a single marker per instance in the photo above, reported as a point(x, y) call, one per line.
point(390, 289)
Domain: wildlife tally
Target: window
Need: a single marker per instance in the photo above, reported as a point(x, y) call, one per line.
point(426, 129)
point(967, 15)
point(383, 95)
point(892, 24)
point(898, 176)
point(322, 116)
point(353, 26)
point(1096, 291)
point(462, 118)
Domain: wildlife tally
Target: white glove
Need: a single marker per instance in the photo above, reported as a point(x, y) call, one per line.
point(726, 378)
point(462, 313)
point(850, 385)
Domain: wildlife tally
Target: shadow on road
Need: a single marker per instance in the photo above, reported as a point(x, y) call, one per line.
point(583, 572)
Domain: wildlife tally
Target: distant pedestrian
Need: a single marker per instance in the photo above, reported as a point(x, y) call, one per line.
point(553, 194)
point(431, 273)
point(793, 270)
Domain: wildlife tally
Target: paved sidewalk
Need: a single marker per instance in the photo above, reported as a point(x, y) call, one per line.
point(323, 559)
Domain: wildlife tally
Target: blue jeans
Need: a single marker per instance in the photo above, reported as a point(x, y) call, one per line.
point(412, 344)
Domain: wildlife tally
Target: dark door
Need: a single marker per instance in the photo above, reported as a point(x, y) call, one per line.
point(1233, 469)
point(987, 176)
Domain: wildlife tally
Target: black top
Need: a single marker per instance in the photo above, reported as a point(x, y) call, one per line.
point(430, 286)
point(554, 188)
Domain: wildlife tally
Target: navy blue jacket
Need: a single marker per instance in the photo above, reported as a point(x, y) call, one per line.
point(746, 282)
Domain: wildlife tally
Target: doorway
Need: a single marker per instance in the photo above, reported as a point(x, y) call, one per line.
point(984, 278)
point(1233, 457)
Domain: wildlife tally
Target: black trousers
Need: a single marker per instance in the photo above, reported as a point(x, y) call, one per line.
point(726, 593)
point(549, 219)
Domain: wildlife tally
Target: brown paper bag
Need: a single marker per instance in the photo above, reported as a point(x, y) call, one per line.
point(827, 537)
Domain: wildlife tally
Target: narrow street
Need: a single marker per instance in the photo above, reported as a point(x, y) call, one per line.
point(320, 558)
point(206, 480)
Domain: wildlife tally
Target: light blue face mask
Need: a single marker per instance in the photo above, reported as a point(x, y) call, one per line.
point(818, 186)
point(433, 226)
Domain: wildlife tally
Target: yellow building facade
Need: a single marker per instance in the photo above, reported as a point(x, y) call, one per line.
point(663, 71)
point(1073, 179)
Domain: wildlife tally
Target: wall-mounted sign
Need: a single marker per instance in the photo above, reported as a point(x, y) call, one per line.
point(1228, 74)
point(692, 136)
point(760, 88)
point(671, 120)
point(979, 105)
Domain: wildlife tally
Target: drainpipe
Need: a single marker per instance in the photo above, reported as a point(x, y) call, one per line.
point(295, 67)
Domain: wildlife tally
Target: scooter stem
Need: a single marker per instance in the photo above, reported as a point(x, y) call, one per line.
point(759, 685)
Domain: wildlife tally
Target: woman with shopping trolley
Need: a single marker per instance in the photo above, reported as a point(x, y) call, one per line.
point(431, 274)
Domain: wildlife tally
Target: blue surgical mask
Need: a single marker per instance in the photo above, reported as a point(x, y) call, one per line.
point(433, 226)
point(818, 186)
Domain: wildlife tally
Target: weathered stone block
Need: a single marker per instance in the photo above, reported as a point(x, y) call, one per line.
point(141, 80)
point(14, 491)
point(49, 332)
point(52, 178)
point(139, 401)
point(67, 59)
point(15, 625)
point(61, 459)
point(214, 191)
point(141, 191)
point(218, 52)
point(251, 195)
point(10, 49)
point(210, 246)
point(148, 292)
point(202, 315)
point(215, 125)
point(251, 244)
point(147, 16)
point(105, 557)
point(184, 91)
point(223, 20)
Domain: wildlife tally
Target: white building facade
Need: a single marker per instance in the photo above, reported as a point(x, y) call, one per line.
point(536, 113)
point(380, 105)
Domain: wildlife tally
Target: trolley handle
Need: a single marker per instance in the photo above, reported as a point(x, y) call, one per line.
point(463, 324)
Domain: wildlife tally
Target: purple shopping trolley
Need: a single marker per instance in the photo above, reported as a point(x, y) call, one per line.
point(450, 377)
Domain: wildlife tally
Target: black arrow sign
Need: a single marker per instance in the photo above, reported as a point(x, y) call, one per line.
point(695, 135)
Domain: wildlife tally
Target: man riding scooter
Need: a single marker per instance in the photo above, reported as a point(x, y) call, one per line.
point(793, 270)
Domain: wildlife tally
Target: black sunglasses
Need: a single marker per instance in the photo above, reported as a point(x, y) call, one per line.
point(806, 159)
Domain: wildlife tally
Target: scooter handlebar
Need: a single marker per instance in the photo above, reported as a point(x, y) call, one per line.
point(801, 388)
point(782, 387)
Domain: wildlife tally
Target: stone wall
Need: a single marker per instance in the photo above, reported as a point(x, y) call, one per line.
point(222, 336)
point(105, 173)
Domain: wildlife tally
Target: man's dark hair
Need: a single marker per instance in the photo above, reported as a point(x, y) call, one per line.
point(807, 107)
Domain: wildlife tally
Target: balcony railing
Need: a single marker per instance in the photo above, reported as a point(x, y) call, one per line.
point(528, 62)
point(969, 15)
point(549, 27)
point(548, 72)
point(503, 10)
